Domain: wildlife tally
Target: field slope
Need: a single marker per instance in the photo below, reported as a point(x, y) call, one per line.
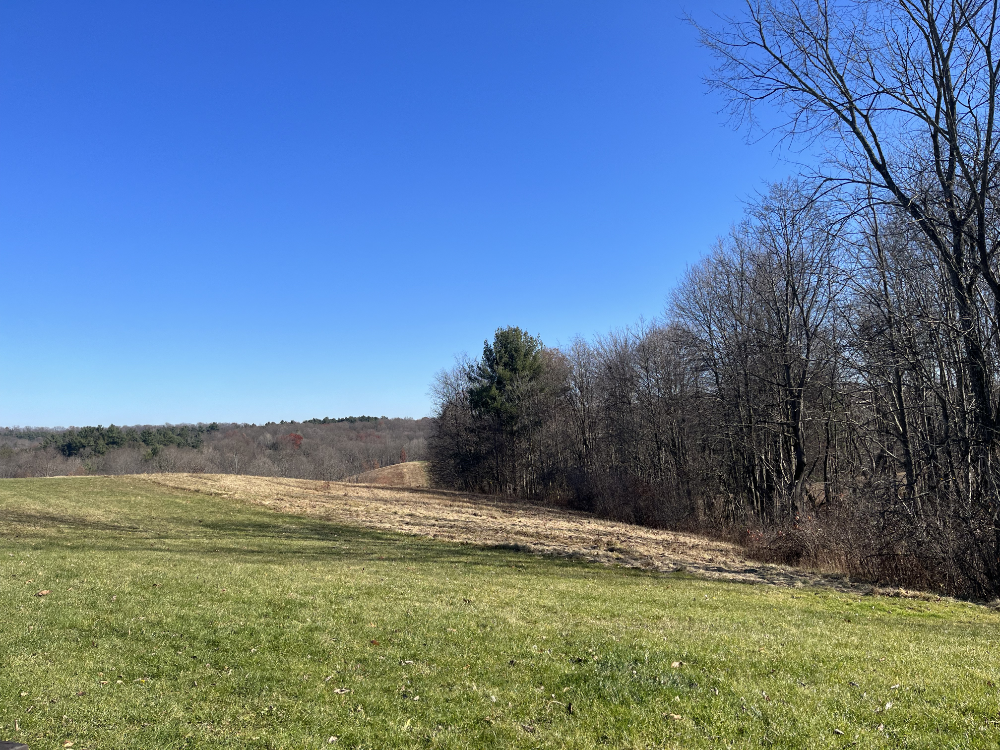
point(491, 521)
point(176, 618)
point(408, 474)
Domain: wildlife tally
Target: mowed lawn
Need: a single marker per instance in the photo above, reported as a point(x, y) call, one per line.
point(180, 620)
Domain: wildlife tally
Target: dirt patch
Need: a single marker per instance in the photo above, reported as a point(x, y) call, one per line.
point(489, 521)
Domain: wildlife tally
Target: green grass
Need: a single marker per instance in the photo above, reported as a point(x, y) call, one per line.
point(178, 620)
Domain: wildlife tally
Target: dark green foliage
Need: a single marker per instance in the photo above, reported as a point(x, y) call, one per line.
point(99, 440)
point(339, 420)
point(493, 416)
point(497, 381)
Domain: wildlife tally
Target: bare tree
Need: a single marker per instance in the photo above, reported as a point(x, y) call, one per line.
point(761, 310)
point(902, 96)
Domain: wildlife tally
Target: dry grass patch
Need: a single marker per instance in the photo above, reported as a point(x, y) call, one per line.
point(184, 620)
point(409, 474)
point(491, 522)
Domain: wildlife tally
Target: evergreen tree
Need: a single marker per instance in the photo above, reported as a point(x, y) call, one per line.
point(498, 381)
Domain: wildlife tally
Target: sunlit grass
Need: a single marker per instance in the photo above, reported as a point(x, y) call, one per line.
point(177, 620)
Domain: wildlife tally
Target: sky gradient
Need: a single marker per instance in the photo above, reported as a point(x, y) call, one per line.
point(263, 211)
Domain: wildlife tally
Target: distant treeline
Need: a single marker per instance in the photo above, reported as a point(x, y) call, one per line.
point(99, 440)
point(327, 448)
point(339, 420)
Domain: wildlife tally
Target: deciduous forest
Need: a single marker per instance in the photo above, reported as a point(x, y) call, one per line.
point(824, 383)
point(328, 449)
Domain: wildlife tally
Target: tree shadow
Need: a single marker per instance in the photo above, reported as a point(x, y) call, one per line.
point(259, 538)
point(37, 519)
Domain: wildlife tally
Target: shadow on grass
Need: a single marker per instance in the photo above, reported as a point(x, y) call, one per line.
point(264, 538)
point(27, 520)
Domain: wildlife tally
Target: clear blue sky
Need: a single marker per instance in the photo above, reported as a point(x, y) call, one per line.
point(255, 211)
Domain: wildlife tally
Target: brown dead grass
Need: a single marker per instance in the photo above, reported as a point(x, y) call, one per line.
point(409, 474)
point(490, 521)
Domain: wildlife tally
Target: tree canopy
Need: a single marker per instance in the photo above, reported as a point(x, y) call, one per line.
point(497, 381)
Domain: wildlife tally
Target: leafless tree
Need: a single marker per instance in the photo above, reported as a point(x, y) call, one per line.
point(901, 97)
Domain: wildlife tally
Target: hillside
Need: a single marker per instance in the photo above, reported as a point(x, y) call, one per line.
point(486, 520)
point(315, 449)
point(141, 615)
point(411, 474)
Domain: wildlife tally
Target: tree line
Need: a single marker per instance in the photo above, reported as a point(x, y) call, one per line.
point(824, 383)
point(327, 449)
point(99, 440)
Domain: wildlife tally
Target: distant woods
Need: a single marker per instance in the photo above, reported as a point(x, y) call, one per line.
point(328, 449)
point(824, 384)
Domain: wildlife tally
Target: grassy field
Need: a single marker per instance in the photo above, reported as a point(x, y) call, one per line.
point(179, 620)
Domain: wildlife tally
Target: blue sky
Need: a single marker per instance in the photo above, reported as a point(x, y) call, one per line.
point(262, 211)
